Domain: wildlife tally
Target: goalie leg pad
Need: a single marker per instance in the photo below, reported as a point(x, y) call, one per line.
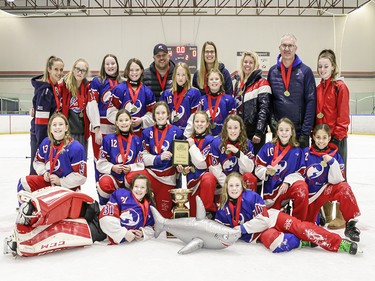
point(53, 204)
point(65, 234)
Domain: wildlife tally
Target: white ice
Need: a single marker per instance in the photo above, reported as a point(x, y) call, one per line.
point(157, 259)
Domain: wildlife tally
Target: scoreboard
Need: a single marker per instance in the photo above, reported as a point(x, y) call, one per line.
point(186, 54)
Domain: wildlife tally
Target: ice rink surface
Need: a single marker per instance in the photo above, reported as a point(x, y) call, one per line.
point(157, 259)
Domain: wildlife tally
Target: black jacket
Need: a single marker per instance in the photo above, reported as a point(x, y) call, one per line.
point(151, 80)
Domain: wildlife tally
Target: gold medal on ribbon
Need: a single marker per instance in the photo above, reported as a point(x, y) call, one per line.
point(228, 152)
point(240, 93)
point(134, 109)
point(175, 119)
point(80, 114)
point(272, 172)
point(213, 126)
point(192, 170)
point(323, 164)
point(286, 93)
point(320, 115)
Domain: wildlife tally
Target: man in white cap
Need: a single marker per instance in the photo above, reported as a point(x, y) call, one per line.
point(158, 77)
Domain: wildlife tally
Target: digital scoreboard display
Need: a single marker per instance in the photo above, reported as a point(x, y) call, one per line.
point(187, 54)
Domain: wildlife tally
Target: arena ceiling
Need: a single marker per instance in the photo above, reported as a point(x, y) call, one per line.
point(298, 8)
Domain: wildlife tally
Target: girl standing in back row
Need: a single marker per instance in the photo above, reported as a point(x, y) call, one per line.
point(74, 90)
point(99, 96)
point(332, 108)
point(46, 101)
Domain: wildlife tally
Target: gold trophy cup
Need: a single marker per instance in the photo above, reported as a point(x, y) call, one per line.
point(180, 196)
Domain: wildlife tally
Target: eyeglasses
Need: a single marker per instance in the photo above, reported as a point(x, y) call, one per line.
point(209, 52)
point(79, 70)
point(285, 46)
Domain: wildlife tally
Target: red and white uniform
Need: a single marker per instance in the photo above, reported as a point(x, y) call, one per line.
point(68, 163)
point(201, 181)
point(161, 173)
point(222, 164)
point(56, 223)
point(289, 166)
point(99, 96)
point(326, 183)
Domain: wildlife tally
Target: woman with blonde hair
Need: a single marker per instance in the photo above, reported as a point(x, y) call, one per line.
point(252, 94)
point(74, 90)
point(209, 60)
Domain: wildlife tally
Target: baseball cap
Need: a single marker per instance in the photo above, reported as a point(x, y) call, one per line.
point(160, 48)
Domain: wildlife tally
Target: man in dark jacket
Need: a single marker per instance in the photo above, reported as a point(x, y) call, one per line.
point(293, 90)
point(158, 77)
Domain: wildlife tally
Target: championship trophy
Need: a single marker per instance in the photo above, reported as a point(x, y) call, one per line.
point(180, 196)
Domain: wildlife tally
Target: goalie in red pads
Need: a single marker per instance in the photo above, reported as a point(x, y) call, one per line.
point(53, 219)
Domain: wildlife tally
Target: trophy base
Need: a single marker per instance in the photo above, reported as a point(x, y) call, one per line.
point(177, 214)
point(184, 213)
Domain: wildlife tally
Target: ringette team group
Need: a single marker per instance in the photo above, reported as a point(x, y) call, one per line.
point(133, 123)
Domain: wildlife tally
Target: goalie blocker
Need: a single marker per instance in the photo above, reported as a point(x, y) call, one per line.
point(53, 219)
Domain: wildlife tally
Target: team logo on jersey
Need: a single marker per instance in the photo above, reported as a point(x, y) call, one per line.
point(164, 147)
point(106, 97)
point(56, 168)
point(74, 105)
point(217, 113)
point(229, 164)
point(119, 157)
point(314, 171)
point(280, 167)
point(176, 115)
point(129, 217)
point(133, 108)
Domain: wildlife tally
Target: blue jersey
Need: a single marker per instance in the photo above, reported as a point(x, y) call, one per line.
point(229, 162)
point(251, 206)
point(226, 106)
point(318, 173)
point(290, 163)
point(121, 98)
point(72, 159)
point(189, 105)
point(125, 211)
point(158, 166)
point(110, 153)
point(101, 92)
point(204, 147)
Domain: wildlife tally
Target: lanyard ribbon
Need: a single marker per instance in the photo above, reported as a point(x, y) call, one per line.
point(53, 160)
point(134, 94)
point(213, 111)
point(276, 157)
point(56, 95)
point(124, 156)
point(236, 219)
point(177, 99)
point(163, 82)
point(158, 143)
point(286, 76)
